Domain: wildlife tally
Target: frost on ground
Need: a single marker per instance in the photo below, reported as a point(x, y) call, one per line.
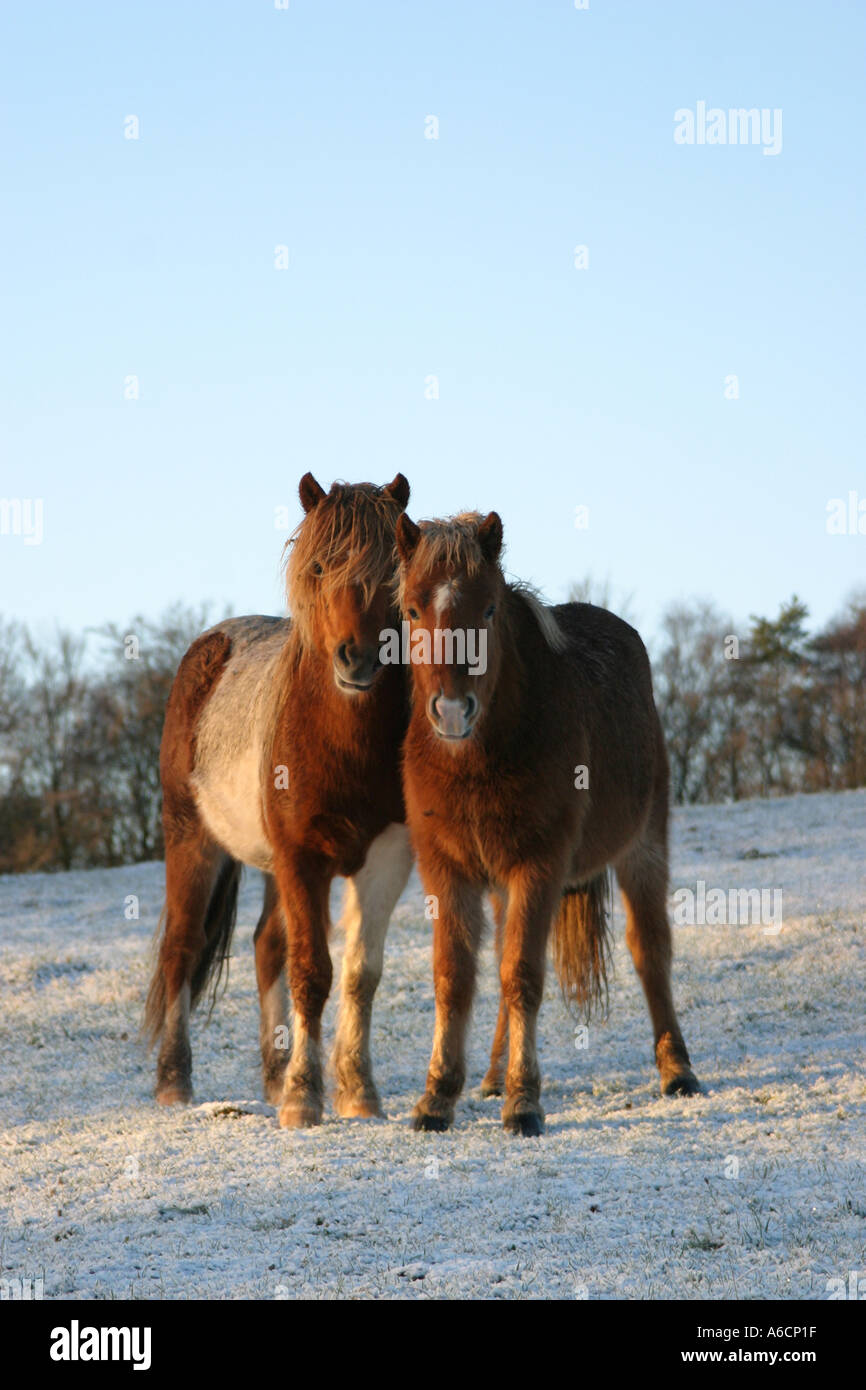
point(754, 1190)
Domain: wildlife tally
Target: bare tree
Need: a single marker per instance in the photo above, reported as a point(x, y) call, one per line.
point(601, 593)
point(689, 676)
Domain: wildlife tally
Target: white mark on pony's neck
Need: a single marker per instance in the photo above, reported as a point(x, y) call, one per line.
point(445, 595)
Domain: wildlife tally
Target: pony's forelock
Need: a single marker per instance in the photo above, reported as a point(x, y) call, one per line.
point(454, 543)
point(351, 535)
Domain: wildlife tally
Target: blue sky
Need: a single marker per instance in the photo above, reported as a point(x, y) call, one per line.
point(412, 257)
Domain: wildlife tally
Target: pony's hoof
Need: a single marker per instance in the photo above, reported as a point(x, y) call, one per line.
point(528, 1125)
point(431, 1123)
point(174, 1094)
point(491, 1086)
point(299, 1114)
point(358, 1107)
point(432, 1113)
point(684, 1083)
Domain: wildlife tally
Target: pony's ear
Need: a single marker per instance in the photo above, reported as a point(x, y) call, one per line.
point(399, 490)
point(490, 536)
point(310, 492)
point(408, 536)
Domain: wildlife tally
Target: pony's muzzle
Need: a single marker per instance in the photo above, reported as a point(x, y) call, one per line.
point(452, 719)
point(355, 670)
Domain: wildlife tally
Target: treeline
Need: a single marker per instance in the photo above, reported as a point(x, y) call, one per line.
point(80, 728)
point(772, 711)
point(762, 711)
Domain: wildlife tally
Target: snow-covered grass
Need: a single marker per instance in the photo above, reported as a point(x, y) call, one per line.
point(753, 1190)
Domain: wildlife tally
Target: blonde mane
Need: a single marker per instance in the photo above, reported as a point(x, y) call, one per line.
point(552, 633)
point(348, 538)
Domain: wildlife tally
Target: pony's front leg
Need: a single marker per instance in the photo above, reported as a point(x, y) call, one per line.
point(371, 896)
point(303, 884)
point(494, 1081)
point(530, 912)
point(457, 928)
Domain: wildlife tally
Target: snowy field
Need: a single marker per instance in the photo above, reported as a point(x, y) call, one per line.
point(754, 1190)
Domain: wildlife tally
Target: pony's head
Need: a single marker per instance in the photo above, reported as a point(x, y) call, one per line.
point(340, 573)
point(451, 590)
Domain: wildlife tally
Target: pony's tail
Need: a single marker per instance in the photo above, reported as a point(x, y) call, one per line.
point(212, 966)
point(581, 944)
point(219, 926)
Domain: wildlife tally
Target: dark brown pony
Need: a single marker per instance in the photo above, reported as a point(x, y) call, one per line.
point(281, 750)
point(529, 778)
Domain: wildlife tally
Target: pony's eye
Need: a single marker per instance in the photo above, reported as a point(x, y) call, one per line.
point(488, 612)
point(413, 614)
point(316, 568)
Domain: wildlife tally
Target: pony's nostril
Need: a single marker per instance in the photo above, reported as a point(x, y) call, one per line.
point(355, 665)
point(452, 717)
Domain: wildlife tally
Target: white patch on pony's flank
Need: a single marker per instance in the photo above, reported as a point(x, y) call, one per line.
point(228, 794)
point(235, 728)
point(552, 633)
point(445, 595)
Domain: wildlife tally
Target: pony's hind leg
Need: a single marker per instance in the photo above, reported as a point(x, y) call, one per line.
point(194, 869)
point(642, 877)
point(371, 896)
point(270, 946)
point(201, 880)
point(494, 1082)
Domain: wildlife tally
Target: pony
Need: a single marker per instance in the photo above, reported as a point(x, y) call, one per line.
point(281, 750)
point(529, 776)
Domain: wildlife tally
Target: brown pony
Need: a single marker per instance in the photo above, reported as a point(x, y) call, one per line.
point(529, 775)
point(281, 750)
